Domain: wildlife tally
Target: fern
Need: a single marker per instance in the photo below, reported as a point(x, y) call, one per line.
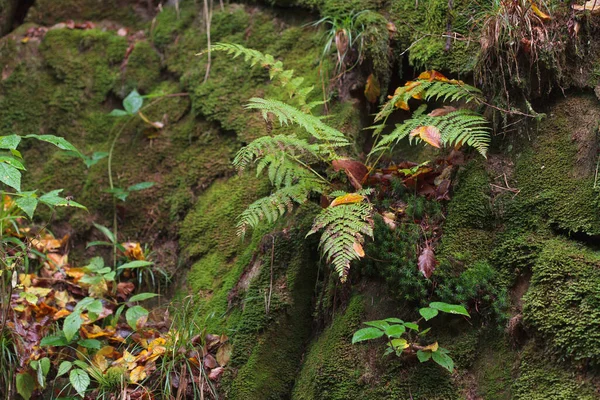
point(264, 145)
point(292, 85)
point(277, 204)
point(457, 127)
point(343, 229)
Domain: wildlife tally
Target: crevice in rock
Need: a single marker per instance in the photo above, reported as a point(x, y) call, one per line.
point(21, 9)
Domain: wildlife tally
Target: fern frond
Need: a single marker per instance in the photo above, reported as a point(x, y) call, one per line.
point(344, 227)
point(278, 203)
point(457, 127)
point(282, 170)
point(264, 145)
point(286, 114)
point(285, 78)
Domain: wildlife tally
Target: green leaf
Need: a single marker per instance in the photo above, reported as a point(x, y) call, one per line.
point(366, 334)
point(106, 232)
point(425, 332)
point(443, 359)
point(394, 320)
point(10, 142)
point(10, 176)
point(91, 279)
point(118, 113)
point(45, 364)
point(411, 325)
point(377, 324)
point(98, 243)
point(117, 315)
point(25, 384)
point(54, 340)
point(118, 193)
point(399, 344)
point(428, 313)
point(52, 199)
point(449, 308)
point(423, 355)
point(42, 371)
point(71, 325)
point(95, 264)
point(27, 204)
point(95, 158)
point(395, 330)
point(80, 380)
point(140, 186)
point(90, 344)
point(58, 141)
point(133, 315)
point(135, 264)
point(12, 161)
point(133, 102)
point(142, 296)
point(63, 368)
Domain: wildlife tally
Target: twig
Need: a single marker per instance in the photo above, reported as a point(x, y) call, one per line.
point(271, 281)
point(207, 20)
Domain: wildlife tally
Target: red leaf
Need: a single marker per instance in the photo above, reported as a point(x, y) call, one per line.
point(355, 170)
point(427, 261)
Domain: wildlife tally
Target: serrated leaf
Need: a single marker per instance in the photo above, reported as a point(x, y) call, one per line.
point(394, 320)
point(449, 308)
point(10, 176)
point(71, 325)
point(142, 297)
point(423, 356)
point(443, 359)
point(27, 204)
point(12, 161)
point(136, 316)
point(428, 313)
point(133, 102)
point(95, 158)
point(63, 368)
point(429, 134)
point(366, 334)
point(80, 380)
point(25, 384)
point(52, 199)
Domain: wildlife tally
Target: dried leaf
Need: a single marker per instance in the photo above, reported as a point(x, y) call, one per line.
point(427, 261)
point(433, 75)
point(355, 170)
point(215, 373)
point(439, 112)
point(224, 354)
point(209, 361)
point(133, 251)
point(590, 5)
point(372, 89)
point(137, 374)
point(432, 347)
point(429, 134)
point(347, 199)
point(543, 16)
point(358, 249)
point(391, 27)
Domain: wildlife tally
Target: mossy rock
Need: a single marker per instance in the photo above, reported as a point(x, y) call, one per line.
point(563, 300)
point(50, 12)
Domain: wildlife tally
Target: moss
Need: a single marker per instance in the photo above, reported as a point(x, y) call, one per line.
point(555, 175)
point(493, 367)
point(142, 71)
point(562, 302)
point(50, 12)
point(539, 379)
point(336, 369)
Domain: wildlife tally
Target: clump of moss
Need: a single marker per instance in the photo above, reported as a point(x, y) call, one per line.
point(539, 380)
point(142, 71)
point(50, 12)
point(494, 366)
point(562, 303)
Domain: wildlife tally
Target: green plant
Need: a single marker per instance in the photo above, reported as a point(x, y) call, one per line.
point(406, 337)
point(445, 126)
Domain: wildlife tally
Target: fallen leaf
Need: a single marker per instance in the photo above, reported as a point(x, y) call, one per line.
point(215, 373)
point(543, 16)
point(349, 198)
point(137, 374)
point(439, 112)
point(429, 134)
point(209, 361)
point(391, 27)
point(61, 314)
point(372, 89)
point(590, 5)
point(427, 261)
point(358, 249)
point(355, 170)
point(124, 289)
point(133, 251)
point(224, 354)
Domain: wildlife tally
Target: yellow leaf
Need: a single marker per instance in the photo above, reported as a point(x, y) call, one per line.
point(75, 273)
point(138, 374)
point(133, 250)
point(100, 361)
point(349, 198)
point(37, 291)
point(372, 89)
point(433, 75)
point(433, 347)
point(543, 16)
point(358, 249)
point(429, 134)
point(61, 298)
point(399, 344)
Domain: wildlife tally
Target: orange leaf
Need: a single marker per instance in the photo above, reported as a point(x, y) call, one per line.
point(133, 251)
point(62, 313)
point(433, 75)
point(429, 134)
point(372, 89)
point(358, 249)
point(543, 16)
point(349, 198)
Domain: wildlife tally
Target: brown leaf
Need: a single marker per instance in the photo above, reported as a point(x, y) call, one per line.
point(427, 261)
point(590, 5)
point(215, 373)
point(358, 249)
point(124, 289)
point(372, 89)
point(439, 112)
point(429, 134)
point(224, 354)
point(347, 199)
point(209, 361)
point(355, 170)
